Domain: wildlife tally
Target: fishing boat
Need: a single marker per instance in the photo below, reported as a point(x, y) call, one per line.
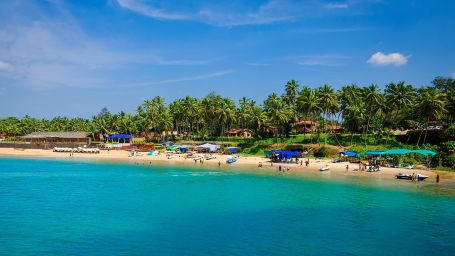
point(324, 168)
point(408, 176)
point(231, 160)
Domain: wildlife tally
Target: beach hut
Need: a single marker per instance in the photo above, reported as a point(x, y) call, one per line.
point(208, 147)
point(231, 150)
point(57, 139)
point(352, 156)
point(283, 155)
point(183, 148)
point(119, 138)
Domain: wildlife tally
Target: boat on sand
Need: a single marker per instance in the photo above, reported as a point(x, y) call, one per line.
point(324, 168)
point(408, 176)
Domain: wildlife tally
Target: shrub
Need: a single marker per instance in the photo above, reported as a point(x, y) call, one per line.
point(325, 152)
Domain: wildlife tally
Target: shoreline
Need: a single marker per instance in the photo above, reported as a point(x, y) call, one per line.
point(244, 164)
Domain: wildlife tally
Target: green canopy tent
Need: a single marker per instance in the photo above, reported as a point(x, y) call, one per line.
point(424, 152)
point(397, 151)
point(403, 151)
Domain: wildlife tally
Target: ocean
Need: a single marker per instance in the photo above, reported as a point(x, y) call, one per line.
point(50, 207)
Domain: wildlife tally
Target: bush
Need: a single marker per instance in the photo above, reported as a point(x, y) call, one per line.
point(325, 152)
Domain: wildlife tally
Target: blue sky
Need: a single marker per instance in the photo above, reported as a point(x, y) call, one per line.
point(74, 57)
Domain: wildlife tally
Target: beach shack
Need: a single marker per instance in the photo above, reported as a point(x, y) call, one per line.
point(282, 155)
point(231, 150)
point(207, 147)
point(184, 148)
point(352, 156)
point(243, 133)
point(119, 138)
point(304, 126)
point(57, 139)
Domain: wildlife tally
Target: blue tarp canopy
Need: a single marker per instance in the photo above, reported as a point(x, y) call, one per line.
point(120, 136)
point(349, 153)
point(286, 154)
point(183, 148)
point(210, 147)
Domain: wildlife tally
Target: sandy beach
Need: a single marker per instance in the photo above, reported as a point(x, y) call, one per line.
point(244, 163)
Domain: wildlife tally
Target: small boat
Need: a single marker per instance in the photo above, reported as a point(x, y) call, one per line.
point(408, 176)
point(324, 168)
point(210, 157)
point(231, 160)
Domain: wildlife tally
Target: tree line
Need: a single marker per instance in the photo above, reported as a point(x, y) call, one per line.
point(360, 110)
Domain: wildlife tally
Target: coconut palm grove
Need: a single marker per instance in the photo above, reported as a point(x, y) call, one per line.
point(354, 116)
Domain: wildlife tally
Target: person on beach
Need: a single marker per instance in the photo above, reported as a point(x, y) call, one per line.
point(347, 167)
point(301, 162)
point(279, 168)
point(219, 163)
point(437, 178)
point(413, 177)
point(260, 165)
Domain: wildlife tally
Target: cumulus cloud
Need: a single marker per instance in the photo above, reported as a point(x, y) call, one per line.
point(393, 59)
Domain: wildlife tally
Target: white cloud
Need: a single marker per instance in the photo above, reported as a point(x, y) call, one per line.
point(46, 55)
point(272, 11)
point(147, 10)
point(392, 59)
point(184, 79)
point(337, 6)
point(5, 66)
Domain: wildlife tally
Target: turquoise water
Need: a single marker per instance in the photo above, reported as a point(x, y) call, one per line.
point(78, 208)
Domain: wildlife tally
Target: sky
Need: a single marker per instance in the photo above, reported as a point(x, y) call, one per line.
point(72, 58)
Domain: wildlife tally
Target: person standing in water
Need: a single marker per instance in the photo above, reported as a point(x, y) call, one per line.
point(437, 178)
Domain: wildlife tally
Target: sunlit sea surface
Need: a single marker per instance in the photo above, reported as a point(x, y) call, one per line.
point(80, 208)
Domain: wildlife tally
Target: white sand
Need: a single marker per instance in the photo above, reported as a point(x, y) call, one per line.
point(249, 162)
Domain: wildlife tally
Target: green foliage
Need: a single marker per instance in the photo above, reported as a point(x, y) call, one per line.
point(367, 114)
point(325, 151)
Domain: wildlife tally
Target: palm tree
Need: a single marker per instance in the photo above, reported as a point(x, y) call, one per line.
point(291, 90)
point(431, 104)
point(278, 111)
point(308, 105)
point(374, 104)
point(398, 97)
point(328, 102)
